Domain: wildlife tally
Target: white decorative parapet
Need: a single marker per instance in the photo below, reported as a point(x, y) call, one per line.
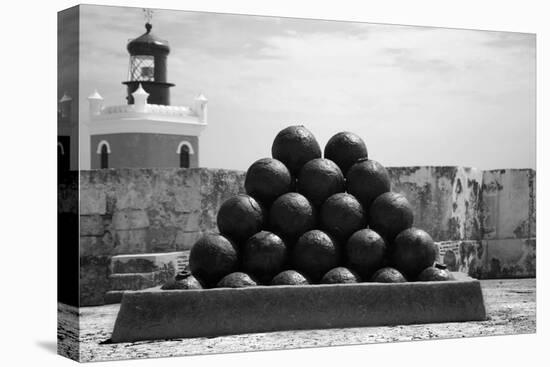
point(96, 103)
point(142, 117)
point(200, 107)
point(142, 109)
point(147, 109)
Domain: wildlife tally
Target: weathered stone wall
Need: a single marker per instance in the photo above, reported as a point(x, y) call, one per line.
point(509, 223)
point(134, 211)
point(506, 247)
point(509, 204)
point(484, 221)
point(446, 199)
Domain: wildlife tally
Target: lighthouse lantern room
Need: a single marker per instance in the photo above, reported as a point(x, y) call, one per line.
point(148, 56)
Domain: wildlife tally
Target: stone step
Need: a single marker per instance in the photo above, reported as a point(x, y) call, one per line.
point(112, 297)
point(137, 281)
point(171, 262)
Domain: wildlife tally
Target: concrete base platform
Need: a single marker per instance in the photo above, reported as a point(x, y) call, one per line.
point(156, 314)
point(113, 297)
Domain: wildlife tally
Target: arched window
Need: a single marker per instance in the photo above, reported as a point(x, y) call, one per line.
point(60, 150)
point(104, 150)
point(184, 150)
point(63, 154)
point(184, 156)
point(62, 161)
point(104, 157)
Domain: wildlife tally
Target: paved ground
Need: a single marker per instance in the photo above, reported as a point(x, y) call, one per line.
point(511, 307)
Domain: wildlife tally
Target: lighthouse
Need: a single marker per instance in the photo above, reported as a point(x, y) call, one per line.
point(148, 57)
point(147, 131)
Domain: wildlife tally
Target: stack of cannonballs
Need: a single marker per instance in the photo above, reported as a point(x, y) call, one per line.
point(306, 219)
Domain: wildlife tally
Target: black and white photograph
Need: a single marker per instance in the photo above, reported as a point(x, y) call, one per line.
point(236, 183)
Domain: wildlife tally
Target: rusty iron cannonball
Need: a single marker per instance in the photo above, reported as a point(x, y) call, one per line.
point(320, 178)
point(340, 275)
point(390, 214)
point(295, 146)
point(388, 275)
point(315, 253)
point(236, 280)
point(291, 215)
point(366, 180)
point(413, 250)
point(437, 273)
point(289, 277)
point(212, 257)
point(366, 252)
point(182, 280)
point(344, 149)
point(240, 217)
point(341, 215)
point(267, 179)
point(264, 255)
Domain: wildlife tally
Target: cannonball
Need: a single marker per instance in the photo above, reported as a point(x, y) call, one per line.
point(341, 215)
point(345, 149)
point(319, 179)
point(295, 146)
point(413, 250)
point(390, 214)
point(240, 217)
point(289, 277)
point(267, 179)
point(340, 275)
point(435, 274)
point(182, 280)
point(366, 252)
point(366, 180)
point(236, 280)
point(388, 275)
point(291, 215)
point(212, 257)
point(264, 255)
point(315, 253)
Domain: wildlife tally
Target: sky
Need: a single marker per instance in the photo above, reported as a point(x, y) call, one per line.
point(416, 95)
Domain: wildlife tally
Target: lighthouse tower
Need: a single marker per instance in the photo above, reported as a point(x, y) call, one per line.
point(146, 131)
point(148, 55)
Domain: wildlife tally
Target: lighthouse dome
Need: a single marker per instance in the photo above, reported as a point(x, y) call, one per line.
point(148, 44)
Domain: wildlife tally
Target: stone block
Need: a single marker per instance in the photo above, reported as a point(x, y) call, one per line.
point(186, 240)
point(146, 263)
point(130, 219)
point(132, 281)
point(161, 238)
point(91, 225)
point(132, 241)
point(95, 246)
point(92, 201)
point(132, 196)
point(189, 222)
point(508, 207)
point(156, 314)
point(509, 258)
point(187, 199)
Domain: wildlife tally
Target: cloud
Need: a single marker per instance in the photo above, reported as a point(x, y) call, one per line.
point(418, 95)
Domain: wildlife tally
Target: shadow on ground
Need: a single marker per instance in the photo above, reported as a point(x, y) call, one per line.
point(50, 346)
